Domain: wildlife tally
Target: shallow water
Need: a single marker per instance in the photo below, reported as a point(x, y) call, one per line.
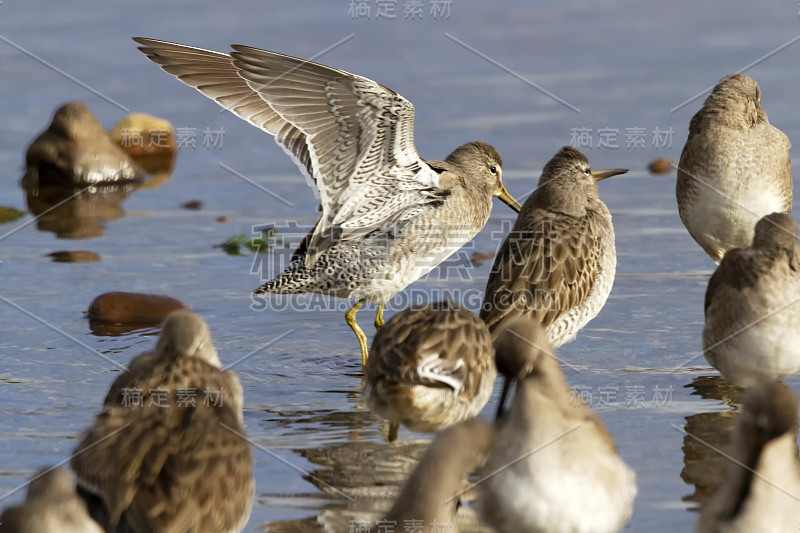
point(621, 63)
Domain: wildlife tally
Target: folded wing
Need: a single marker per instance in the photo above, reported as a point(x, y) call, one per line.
point(541, 272)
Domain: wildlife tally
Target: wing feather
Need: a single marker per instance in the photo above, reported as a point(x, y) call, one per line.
point(542, 271)
point(213, 74)
point(352, 137)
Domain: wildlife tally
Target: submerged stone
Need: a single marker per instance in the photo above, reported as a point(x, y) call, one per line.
point(133, 308)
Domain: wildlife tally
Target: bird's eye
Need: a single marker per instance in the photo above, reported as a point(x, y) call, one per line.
point(586, 171)
point(493, 169)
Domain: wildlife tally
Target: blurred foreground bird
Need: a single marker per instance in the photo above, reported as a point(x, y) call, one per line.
point(430, 497)
point(553, 466)
point(52, 506)
point(168, 451)
point(761, 490)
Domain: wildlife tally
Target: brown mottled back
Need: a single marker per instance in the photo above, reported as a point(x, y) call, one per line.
point(168, 452)
point(445, 328)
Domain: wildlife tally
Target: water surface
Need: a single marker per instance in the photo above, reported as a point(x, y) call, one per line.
point(624, 65)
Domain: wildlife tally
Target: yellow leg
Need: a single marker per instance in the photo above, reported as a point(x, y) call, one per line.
point(393, 429)
point(350, 317)
point(379, 318)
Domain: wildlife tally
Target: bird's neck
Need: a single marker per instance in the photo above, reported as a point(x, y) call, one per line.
point(555, 197)
point(775, 460)
point(430, 494)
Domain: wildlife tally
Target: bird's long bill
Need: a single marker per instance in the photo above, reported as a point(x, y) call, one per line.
point(509, 200)
point(603, 174)
point(503, 395)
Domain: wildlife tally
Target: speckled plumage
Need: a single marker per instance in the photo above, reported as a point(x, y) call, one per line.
point(762, 491)
point(734, 168)
point(388, 216)
point(557, 265)
point(52, 506)
point(430, 367)
point(168, 463)
point(752, 307)
point(553, 467)
point(379, 265)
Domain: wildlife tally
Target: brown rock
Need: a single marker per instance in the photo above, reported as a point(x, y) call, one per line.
point(661, 166)
point(479, 257)
point(133, 308)
point(222, 218)
point(149, 140)
point(75, 151)
point(75, 256)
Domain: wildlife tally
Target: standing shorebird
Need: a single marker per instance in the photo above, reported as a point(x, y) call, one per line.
point(557, 265)
point(388, 216)
point(734, 168)
point(761, 490)
point(52, 506)
point(752, 307)
point(554, 466)
point(430, 495)
point(168, 451)
point(430, 367)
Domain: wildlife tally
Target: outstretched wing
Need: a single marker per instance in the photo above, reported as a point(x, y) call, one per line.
point(213, 74)
point(353, 137)
point(542, 271)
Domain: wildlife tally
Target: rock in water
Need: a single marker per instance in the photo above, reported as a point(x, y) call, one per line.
point(133, 308)
point(662, 165)
point(149, 140)
point(75, 152)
